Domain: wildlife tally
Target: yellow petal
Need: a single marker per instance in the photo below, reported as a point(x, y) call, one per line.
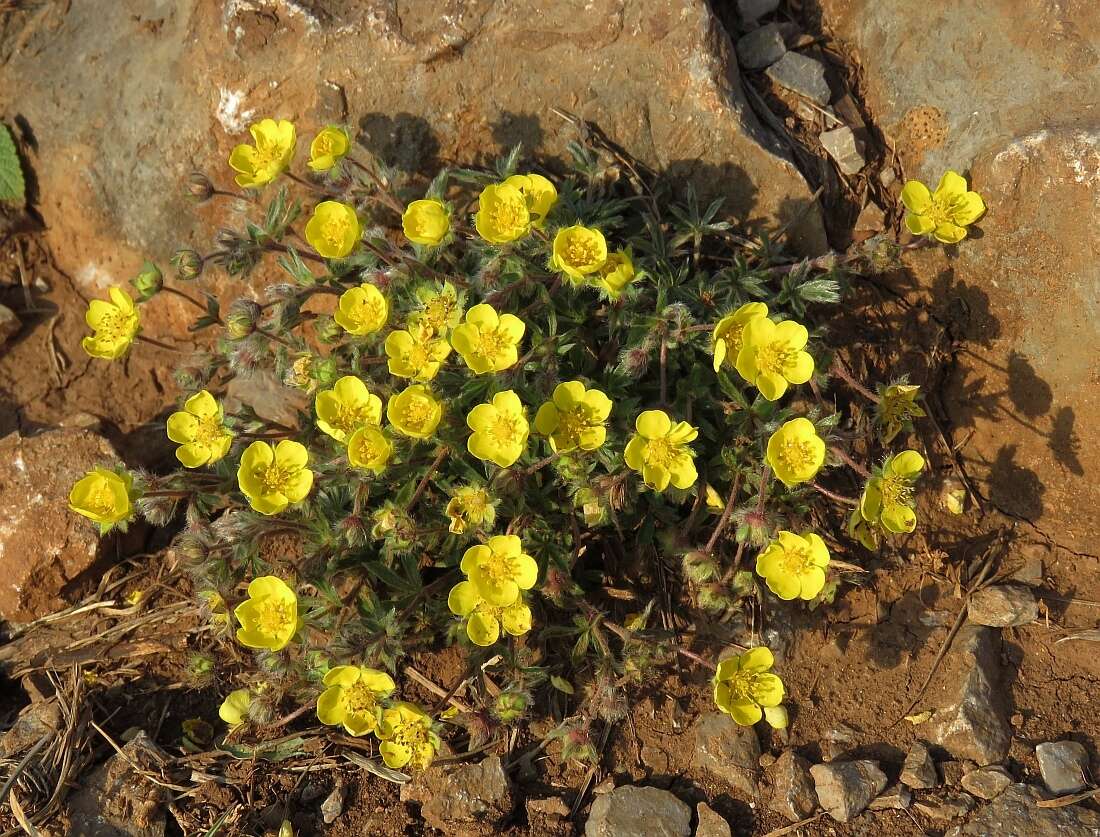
point(757, 659)
point(952, 187)
point(653, 424)
point(916, 197)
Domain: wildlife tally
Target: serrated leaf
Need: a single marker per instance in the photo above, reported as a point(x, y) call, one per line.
point(12, 187)
point(268, 751)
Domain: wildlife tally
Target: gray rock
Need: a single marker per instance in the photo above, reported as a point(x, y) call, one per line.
point(805, 76)
point(727, 751)
point(946, 805)
point(1062, 765)
point(463, 795)
point(793, 793)
point(115, 800)
point(752, 10)
point(896, 797)
point(553, 807)
point(1030, 571)
point(986, 782)
point(845, 788)
point(9, 324)
point(1015, 814)
point(973, 725)
point(760, 48)
point(39, 719)
point(710, 822)
point(632, 811)
point(846, 150)
point(1003, 606)
point(919, 771)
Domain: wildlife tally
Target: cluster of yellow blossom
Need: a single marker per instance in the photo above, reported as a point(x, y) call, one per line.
point(491, 597)
point(746, 690)
point(769, 355)
point(888, 503)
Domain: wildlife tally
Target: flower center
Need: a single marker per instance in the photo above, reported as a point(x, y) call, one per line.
point(365, 449)
point(795, 454)
point(573, 421)
point(775, 357)
point(742, 686)
point(360, 699)
point(796, 561)
point(113, 326)
point(272, 616)
point(102, 501)
point(503, 429)
point(498, 567)
point(209, 431)
point(475, 504)
point(335, 229)
point(438, 311)
point(508, 214)
point(267, 154)
point(325, 145)
point(416, 413)
point(492, 341)
point(580, 251)
point(896, 491)
point(414, 736)
point(350, 416)
point(661, 452)
point(274, 478)
point(367, 311)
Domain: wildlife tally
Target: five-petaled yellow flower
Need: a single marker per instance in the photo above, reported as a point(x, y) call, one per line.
point(484, 620)
point(346, 407)
point(499, 569)
point(897, 407)
point(426, 222)
point(234, 709)
point(729, 334)
point(888, 498)
point(353, 698)
point(273, 477)
point(368, 448)
point(362, 310)
point(334, 229)
point(746, 690)
point(795, 452)
point(414, 412)
point(328, 148)
point(470, 506)
point(269, 616)
point(416, 353)
point(488, 341)
point(502, 214)
point(259, 164)
point(103, 497)
point(407, 737)
point(500, 429)
point(439, 310)
point(578, 251)
point(574, 417)
point(794, 565)
point(538, 192)
point(115, 323)
point(199, 431)
point(616, 273)
point(772, 356)
point(944, 214)
point(659, 451)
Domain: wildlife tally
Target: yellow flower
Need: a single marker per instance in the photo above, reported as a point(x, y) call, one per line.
point(272, 477)
point(328, 148)
point(862, 531)
point(414, 412)
point(470, 506)
point(888, 498)
point(745, 689)
point(659, 451)
point(485, 620)
point(897, 407)
point(772, 356)
point(574, 417)
point(234, 709)
point(795, 452)
point(500, 429)
point(794, 565)
point(426, 222)
point(944, 214)
point(488, 342)
point(439, 310)
point(728, 336)
point(578, 251)
point(502, 214)
point(538, 192)
point(103, 497)
point(369, 448)
point(199, 431)
point(346, 407)
point(500, 569)
point(269, 616)
point(407, 737)
point(354, 698)
point(115, 324)
point(270, 156)
point(362, 310)
point(616, 273)
point(334, 229)
point(416, 353)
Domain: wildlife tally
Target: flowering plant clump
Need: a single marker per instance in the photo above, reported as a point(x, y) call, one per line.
point(508, 404)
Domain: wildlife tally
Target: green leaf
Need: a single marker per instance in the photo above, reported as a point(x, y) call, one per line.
point(561, 684)
point(11, 170)
point(269, 751)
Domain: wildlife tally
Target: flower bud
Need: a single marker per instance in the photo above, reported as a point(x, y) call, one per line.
point(510, 705)
point(326, 371)
point(354, 529)
point(157, 509)
point(700, 567)
point(714, 598)
point(241, 318)
point(198, 187)
point(634, 362)
point(328, 330)
point(148, 282)
point(188, 265)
